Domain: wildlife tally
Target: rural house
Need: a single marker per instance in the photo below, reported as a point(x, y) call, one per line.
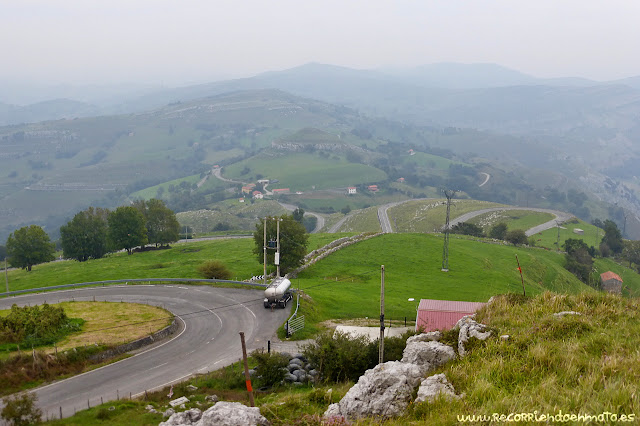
point(611, 282)
point(442, 314)
point(258, 195)
point(373, 188)
point(351, 190)
point(281, 191)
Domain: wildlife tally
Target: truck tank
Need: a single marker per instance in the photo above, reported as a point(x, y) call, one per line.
point(277, 293)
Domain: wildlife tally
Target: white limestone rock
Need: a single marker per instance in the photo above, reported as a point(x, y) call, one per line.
point(436, 385)
point(432, 336)
point(428, 355)
point(384, 391)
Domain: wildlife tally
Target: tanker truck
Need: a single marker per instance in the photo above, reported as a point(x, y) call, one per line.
point(277, 294)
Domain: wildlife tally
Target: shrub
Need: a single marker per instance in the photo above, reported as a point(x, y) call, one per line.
point(499, 231)
point(21, 409)
point(338, 357)
point(271, 367)
point(516, 237)
point(214, 269)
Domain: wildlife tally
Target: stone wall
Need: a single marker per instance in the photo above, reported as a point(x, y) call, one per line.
point(137, 344)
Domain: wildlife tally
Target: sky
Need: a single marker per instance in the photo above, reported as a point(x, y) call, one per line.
point(176, 42)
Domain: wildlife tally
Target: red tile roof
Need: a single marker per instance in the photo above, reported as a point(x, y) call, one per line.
point(610, 275)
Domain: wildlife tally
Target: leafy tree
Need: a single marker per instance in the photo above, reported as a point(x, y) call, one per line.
point(293, 242)
point(21, 409)
point(161, 222)
point(572, 245)
point(29, 246)
point(467, 229)
point(631, 252)
point(3, 252)
point(85, 236)
point(346, 209)
point(578, 259)
point(126, 228)
point(517, 237)
point(612, 236)
point(498, 231)
point(214, 269)
point(298, 215)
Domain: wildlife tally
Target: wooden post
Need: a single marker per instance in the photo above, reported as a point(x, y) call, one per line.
point(6, 274)
point(381, 350)
point(524, 292)
point(264, 243)
point(246, 369)
point(61, 412)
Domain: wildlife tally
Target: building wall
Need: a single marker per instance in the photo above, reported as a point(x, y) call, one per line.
point(612, 286)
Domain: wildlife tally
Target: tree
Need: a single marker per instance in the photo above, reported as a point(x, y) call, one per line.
point(498, 231)
point(578, 260)
point(293, 242)
point(29, 246)
point(3, 252)
point(517, 237)
point(467, 229)
point(126, 228)
point(631, 252)
point(161, 222)
point(298, 215)
point(85, 236)
point(21, 409)
point(612, 236)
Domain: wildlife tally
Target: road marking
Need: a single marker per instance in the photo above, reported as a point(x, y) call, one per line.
point(157, 366)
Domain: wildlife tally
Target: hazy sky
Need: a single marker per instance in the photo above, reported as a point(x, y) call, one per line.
point(183, 41)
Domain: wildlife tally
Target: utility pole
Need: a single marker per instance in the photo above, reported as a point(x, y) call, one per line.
point(6, 274)
point(449, 193)
point(558, 237)
point(277, 257)
point(264, 243)
point(381, 350)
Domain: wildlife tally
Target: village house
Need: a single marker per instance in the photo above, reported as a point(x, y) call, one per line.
point(401, 180)
point(258, 195)
point(611, 282)
point(351, 190)
point(248, 188)
point(373, 188)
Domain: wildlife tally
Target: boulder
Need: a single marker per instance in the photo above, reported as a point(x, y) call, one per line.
point(435, 385)
point(469, 328)
point(296, 361)
point(425, 337)
point(563, 313)
point(427, 355)
point(290, 378)
point(232, 414)
point(168, 413)
point(384, 391)
point(188, 417)
point(211, 398)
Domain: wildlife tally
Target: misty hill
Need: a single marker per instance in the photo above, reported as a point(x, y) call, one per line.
point(47, 110)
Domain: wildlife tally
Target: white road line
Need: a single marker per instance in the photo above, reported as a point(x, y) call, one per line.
point(157, 366)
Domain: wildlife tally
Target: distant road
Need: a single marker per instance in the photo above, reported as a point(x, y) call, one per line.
point(211, 318)
point(559, 217)
point(486, 179)
point(218, 173)
point(383, 216)
point(319, 221)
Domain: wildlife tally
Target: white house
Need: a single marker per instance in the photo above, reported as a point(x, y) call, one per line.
point(351, 190)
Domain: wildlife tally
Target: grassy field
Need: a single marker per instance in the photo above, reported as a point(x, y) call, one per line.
point(303, 172)
point(347, 283)
point(592, 235)
point(430, 215)
point(515, 219)
point(180, 261)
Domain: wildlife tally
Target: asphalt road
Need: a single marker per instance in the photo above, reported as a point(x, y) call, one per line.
point(319, 222)
point(212, 319)
point(559, 217)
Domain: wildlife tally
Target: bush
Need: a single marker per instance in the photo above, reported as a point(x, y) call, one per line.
point(21, 409)
point(517, 237)
point(271, 367)
point(214, 269)
point(499, 231)
point(338, 357)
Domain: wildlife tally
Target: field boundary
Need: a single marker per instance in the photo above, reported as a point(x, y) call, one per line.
point(126, 281)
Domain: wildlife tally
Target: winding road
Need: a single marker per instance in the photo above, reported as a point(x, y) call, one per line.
point(559, 217)
point(211, 319)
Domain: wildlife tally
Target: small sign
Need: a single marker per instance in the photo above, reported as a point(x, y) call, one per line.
point(277, 260)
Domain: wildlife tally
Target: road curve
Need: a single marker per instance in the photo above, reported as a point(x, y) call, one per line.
point(559, 217)
point(319, 221)
point(212, 318)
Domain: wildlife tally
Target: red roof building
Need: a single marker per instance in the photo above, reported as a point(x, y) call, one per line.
point(442, 314)
point(611, 282)
point(281, 191)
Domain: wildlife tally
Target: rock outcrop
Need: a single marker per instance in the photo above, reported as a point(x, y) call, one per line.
point(433, 386)
point(469, 328)
point(221, 414)
point(427, 355)
point(384, 391)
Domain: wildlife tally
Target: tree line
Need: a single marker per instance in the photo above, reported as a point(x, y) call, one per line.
point(94, 232)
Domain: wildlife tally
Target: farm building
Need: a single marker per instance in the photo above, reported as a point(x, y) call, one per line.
point(442, 314)
point(578, 231)
point(611, 282)
point(281, 191)
point(373, 188)
point(351, 190)
point(258, 195)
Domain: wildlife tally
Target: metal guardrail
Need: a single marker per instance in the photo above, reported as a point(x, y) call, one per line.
point(293, 323)
point(131, 280)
